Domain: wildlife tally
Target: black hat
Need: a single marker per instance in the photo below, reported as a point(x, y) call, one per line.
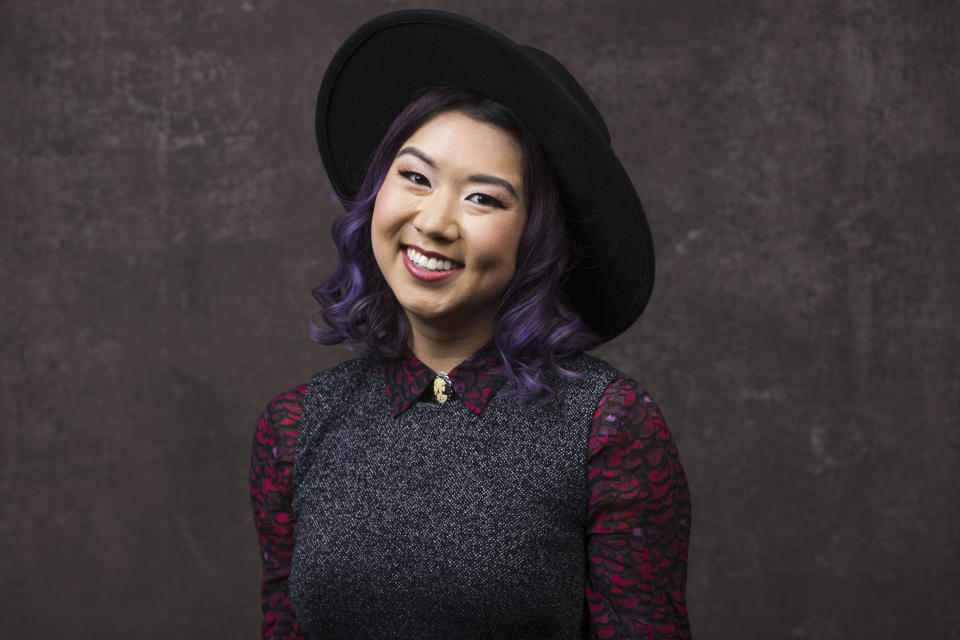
point(388, 61)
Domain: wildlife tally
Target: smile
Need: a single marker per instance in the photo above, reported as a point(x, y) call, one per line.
point(431, 263)
point(424, 267)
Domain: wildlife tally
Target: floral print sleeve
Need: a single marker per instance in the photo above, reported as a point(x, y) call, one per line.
point(271, 464)
point(638, 525)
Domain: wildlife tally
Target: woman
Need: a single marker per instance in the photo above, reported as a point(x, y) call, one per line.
point(474, 475)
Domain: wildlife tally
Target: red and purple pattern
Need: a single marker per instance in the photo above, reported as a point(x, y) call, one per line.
point(474, 380)
point(271, 466)
point(638, 523)
point(638, 519)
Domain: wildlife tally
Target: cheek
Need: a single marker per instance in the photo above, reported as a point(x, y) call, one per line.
point(497, 248)
point(388, 218)
point(383, 229)
point(383, 206)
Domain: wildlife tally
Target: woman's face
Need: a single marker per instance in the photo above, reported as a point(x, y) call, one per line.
point(447, 222)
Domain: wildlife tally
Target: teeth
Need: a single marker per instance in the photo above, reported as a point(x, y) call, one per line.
point(432, 263)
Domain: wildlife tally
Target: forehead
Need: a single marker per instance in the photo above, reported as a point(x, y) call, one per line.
point(456, 139)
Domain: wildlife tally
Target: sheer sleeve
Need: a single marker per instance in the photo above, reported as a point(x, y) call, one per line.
point(271, 464)
point(638, 523)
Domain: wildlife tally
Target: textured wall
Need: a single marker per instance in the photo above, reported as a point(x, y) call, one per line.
point(165, 214)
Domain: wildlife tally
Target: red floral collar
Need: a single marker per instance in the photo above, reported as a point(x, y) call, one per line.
point(474, 380)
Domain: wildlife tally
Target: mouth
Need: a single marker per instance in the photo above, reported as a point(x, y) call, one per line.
point(429, 267)
point(429, 261)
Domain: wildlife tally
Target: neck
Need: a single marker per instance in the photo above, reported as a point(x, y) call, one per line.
point(442, 350)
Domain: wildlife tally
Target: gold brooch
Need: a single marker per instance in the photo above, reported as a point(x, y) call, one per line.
point(441, 387)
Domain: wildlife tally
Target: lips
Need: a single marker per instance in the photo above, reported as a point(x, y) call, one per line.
point(443, 267)
point(430, 261)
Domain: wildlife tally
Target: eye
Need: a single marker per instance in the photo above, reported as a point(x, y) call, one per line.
point(416, 178)
point(485, 200)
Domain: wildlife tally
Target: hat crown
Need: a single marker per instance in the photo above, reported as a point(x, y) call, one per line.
point(556, 69)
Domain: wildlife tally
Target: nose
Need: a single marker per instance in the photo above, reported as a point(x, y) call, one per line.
point(437, 218)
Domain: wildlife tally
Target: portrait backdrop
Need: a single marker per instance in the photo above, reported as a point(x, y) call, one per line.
point(166, 214)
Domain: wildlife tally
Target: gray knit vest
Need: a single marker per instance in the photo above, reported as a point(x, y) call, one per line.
point(440, 523)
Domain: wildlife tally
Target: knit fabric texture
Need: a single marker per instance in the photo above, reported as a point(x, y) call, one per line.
point(441, 523)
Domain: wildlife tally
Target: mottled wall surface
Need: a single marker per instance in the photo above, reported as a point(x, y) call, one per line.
point(165, 214)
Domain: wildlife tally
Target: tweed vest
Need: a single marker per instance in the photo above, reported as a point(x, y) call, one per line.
point(441, 523)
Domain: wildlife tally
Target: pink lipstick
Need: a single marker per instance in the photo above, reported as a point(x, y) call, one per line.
point(426, 274)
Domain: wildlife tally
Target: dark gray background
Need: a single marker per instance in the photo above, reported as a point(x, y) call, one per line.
point(165, 215)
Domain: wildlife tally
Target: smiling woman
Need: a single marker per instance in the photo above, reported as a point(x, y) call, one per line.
point(443, 201)
point(474, 474)
point(534, 322)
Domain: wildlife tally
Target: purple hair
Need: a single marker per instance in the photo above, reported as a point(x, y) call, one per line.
point(535, 324)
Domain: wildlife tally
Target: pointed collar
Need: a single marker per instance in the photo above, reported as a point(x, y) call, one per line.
point(474, 380)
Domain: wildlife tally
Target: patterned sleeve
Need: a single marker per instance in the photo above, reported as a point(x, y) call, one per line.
point(638, 522)
point(270, 473)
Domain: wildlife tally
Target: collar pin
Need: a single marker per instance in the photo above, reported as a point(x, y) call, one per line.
point(442, 387)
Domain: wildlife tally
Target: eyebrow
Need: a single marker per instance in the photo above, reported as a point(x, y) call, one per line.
point(413, 151)
point(479, 177)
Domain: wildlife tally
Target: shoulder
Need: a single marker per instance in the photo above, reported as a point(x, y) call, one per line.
point(287, 406)
point(628, 419)
point(582, 374)
point(285, 410)
point(626, 401)
point(340, 391)
point(581, 362)
point(354, 374)
point(277, 428)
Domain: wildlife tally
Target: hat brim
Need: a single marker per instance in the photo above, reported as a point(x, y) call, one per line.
point(389, 60)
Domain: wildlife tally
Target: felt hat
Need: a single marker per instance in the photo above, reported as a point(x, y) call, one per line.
point(391, 59)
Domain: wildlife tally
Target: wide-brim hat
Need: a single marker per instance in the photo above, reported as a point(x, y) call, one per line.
point(388, 61)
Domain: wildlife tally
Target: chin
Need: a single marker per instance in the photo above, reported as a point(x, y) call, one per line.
point(428, 313)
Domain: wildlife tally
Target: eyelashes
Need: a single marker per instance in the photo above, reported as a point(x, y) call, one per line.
point(414, 177)
point(485, 200)
point(478, 197)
